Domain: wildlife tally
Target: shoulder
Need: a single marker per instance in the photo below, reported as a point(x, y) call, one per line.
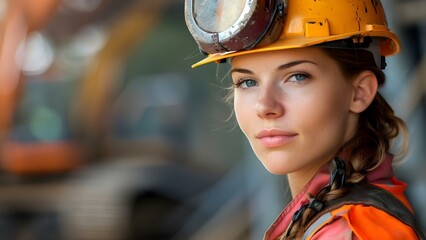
point(359, 222)
point(338, 228)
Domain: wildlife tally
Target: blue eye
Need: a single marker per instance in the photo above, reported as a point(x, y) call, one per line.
point(299, 77)
point(247, 83)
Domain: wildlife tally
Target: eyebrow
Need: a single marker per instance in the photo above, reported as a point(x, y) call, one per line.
point(281, 67)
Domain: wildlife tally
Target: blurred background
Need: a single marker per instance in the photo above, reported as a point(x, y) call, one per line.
point(107, 133)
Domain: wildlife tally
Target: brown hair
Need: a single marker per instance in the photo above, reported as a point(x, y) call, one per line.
point(378, 127)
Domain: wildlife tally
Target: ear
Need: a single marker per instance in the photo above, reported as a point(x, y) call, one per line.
point(365, 89)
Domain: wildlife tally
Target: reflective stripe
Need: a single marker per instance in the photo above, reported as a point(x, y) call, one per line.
point(315, 226)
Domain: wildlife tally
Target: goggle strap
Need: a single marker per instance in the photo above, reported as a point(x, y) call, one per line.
point(275, 21)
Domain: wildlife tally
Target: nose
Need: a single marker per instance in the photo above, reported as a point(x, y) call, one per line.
point(270, 103)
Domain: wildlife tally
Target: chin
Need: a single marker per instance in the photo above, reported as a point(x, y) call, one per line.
point(276, 164)
point(275, 169)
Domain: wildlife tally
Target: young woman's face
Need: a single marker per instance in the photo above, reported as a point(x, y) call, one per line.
point(293, 107)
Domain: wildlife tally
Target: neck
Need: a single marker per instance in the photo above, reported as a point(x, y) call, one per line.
point(298, 180)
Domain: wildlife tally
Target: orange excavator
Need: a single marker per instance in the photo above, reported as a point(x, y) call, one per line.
point(64, 188)
point(20, 18)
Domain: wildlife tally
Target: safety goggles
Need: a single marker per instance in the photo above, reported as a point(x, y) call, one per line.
point(220, 26)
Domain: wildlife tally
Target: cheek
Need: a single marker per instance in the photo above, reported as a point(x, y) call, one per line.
point(241, 112)
point(323, 117)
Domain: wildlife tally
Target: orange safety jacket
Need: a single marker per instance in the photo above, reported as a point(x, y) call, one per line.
point(350, 220)
point(370, 213)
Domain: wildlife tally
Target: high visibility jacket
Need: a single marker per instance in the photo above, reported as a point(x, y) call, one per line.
point(350, 221)
point(364, 221)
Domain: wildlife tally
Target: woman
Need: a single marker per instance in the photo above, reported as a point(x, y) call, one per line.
point(306, 76)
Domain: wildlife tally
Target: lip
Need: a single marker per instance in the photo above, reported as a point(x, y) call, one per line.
point(271, 138)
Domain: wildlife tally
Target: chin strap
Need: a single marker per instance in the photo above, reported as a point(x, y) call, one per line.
point(337, 170)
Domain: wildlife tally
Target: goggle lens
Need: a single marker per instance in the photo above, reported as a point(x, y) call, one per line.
point(217, 15)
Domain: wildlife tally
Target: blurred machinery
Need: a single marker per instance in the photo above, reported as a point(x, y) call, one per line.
point(73, 162)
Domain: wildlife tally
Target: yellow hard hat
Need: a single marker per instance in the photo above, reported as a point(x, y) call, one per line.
point(304, 23)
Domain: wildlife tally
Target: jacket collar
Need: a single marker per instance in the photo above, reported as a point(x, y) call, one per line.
point(380, 175)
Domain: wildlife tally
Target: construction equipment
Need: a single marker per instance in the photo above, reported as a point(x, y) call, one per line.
point(76, 183)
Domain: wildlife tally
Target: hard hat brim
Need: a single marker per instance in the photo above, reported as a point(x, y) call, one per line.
point(392, 45)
